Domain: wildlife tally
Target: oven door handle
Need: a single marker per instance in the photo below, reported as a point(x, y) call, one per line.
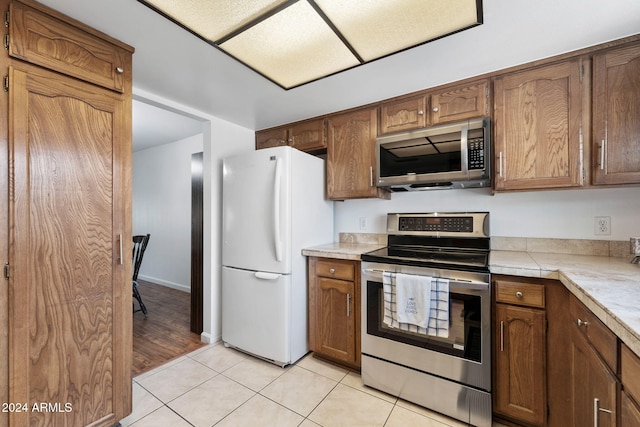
point(467, 284)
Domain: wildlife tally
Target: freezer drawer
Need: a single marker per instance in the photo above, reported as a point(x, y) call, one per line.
point(256, 313)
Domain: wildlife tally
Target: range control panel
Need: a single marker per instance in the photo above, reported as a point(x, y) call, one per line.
point(457, 224)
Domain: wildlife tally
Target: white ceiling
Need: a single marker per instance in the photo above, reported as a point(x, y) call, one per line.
point(173, 64)
point(153, 126)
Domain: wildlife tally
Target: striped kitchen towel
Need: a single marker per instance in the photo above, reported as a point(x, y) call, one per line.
point(438, 313)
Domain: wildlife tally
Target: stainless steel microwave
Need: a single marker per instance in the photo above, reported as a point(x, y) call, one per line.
point(454, 155)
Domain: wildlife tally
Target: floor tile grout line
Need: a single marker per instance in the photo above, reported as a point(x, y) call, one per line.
point(285, 370)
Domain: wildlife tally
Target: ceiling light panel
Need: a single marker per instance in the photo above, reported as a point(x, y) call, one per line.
point(292, 47)
point(293, 42)
point(214, 19)
point(378, 28)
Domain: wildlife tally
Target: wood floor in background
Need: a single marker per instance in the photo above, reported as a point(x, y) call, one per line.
point(165, 334)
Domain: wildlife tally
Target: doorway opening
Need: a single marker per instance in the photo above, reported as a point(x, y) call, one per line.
point(164, 141)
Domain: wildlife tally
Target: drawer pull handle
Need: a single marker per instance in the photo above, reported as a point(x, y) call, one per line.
point(582, 323)
point(332, 270)
point(519, 294)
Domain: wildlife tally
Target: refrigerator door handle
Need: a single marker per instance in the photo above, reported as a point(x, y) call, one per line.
point(267, 276)
point(276, 209)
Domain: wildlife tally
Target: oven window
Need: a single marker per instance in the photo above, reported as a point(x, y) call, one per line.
point(464, 325)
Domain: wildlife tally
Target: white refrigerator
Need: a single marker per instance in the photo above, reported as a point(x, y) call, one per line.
point(273, 206)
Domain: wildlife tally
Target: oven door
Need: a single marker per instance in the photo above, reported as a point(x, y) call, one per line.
point(464, 356)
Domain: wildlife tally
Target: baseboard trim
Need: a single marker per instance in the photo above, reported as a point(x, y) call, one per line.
point(161, 282)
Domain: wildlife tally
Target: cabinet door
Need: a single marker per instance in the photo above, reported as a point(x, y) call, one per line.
point(336, 319)
point(629, 411)
point(271, 138)
point(616, 108)
point(44, 39)
point(460, 103)
point(538, 121)
point(70, 253)
point(593, 386)
point(351, 157)
point(404, 114)
point(308, 136)
point(520, 387)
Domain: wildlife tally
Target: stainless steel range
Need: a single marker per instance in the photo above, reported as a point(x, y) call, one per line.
point(426, 314)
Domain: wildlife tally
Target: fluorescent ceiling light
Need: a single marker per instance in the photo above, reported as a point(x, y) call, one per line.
point(293, 42)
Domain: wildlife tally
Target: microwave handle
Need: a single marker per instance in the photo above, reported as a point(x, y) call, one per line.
point(464, 153)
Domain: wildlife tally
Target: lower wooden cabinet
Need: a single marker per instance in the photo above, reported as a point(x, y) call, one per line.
point(629, 411)
point(594, 388)
point(555, 363)
point(334, 310)
point(630, 378)
point(519, 392)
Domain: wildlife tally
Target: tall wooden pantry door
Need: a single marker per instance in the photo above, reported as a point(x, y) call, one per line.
point(70, 251)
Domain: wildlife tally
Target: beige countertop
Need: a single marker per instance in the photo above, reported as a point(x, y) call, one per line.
point(609, 286)
point(342, 250)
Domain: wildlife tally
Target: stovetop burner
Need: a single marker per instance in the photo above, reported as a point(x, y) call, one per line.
point(432, 256)
point(446, 240)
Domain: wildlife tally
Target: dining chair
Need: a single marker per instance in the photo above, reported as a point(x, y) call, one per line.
point(139, 245)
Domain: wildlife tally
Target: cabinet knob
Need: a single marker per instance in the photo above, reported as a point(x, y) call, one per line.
point(582, 323)
point(119, 70)
point(436, 109)
point(519, 294)
point(332, 270)
point(420, 112)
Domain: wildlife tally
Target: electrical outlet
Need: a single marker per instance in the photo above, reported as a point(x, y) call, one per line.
point(602, 225)
point(363, 223)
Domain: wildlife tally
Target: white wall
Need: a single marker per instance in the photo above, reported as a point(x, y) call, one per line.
point(566, 214)
point(162, 208)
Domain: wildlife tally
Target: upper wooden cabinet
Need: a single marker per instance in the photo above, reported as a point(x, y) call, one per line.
point(46, 39)
point(616, 113)
point(305, 136)
point(351, 156)
point(404, 114)
point(460, 102)
point(538, 128)
point(449, 104)
point(308, 135)
point(275, 137)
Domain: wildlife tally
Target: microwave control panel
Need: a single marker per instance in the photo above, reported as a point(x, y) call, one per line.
point(475, 150)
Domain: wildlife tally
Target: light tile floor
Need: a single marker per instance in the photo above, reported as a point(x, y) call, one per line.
point(219, 386)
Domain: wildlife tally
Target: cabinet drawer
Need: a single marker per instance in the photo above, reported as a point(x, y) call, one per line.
point(338, 269)
point(630, 372)
point(47, 41)
point(526, 294)
point(597, 334)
